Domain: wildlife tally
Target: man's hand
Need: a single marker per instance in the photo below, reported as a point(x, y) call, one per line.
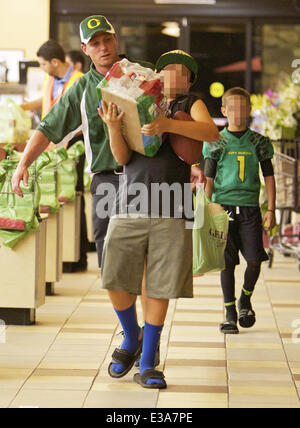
point(197, 177)
point(21, 174)
point(157, 126)
point(269, 218)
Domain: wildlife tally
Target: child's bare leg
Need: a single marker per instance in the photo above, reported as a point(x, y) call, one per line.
point(156, 310)
point(121, 300)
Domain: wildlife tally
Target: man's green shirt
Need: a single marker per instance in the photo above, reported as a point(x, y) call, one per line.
point(237, 181)
point(77, 111)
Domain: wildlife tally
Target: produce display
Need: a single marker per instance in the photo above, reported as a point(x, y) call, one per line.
point(52, 178)
point(15, 123)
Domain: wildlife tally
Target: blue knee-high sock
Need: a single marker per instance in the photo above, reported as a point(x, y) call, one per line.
point(131, 333)
point(150, 342)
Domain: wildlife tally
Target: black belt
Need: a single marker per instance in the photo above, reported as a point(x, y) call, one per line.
point(117, 171)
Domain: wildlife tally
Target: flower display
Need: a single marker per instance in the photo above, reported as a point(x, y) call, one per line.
point(275, 113)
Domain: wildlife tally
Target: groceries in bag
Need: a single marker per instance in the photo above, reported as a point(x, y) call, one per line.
point(137, 91)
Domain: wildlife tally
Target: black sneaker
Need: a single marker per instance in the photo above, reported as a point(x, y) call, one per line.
point(229, 327)
point(247, 317)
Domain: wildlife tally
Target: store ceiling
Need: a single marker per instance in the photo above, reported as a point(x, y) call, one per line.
point(228, 8)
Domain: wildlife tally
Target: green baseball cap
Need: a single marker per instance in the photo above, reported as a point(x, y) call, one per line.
point(92, 24)
point(177, 57)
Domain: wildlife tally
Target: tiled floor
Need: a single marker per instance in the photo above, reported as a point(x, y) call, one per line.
point(62, 361)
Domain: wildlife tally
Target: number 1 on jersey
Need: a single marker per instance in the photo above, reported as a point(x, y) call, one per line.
point(241, 161)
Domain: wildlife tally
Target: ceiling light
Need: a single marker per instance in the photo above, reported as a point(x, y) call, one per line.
point(171, 29)
point(208, 2)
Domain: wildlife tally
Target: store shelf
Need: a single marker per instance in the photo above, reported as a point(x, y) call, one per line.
point(12, 89)
point(71, 230)
point(23, 269)
point(53, 250)
point(89, 216)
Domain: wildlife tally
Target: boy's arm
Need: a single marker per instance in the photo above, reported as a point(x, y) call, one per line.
point(209, 187)
point(210, 171)
point(119, 148)
point(197, 177)
point(269, 217)
point(265, 152)
point(202, 128)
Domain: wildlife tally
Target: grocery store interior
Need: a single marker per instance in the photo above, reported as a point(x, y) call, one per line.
point(58, 328)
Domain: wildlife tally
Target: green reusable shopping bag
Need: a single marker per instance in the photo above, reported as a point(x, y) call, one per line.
point(17, 209)
point(2, 176)
point(48, 180)
point(209, 235)
point(67, 174)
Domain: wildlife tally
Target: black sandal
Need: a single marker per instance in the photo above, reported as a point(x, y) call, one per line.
point(126, 358)
point(150, 374)
point(229, 327)
point(247, 318)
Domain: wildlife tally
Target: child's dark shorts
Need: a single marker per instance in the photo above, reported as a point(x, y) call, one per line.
point(244, 235)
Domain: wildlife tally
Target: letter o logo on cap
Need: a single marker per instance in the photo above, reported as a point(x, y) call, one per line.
point(93, 23)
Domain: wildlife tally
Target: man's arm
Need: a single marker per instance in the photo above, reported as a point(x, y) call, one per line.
point(202, 128)
point(33, 105)
point(35, 147)
point(269, 217)
point(64, 120)
point(118, 146)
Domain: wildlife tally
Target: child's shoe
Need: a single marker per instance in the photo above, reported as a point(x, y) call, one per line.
point(230, 325)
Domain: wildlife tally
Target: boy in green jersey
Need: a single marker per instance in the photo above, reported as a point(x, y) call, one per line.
point(232, 171)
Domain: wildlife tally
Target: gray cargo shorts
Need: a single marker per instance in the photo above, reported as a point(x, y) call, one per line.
point(165, 244)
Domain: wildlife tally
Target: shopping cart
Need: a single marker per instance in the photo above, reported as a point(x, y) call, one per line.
point(287, 176)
